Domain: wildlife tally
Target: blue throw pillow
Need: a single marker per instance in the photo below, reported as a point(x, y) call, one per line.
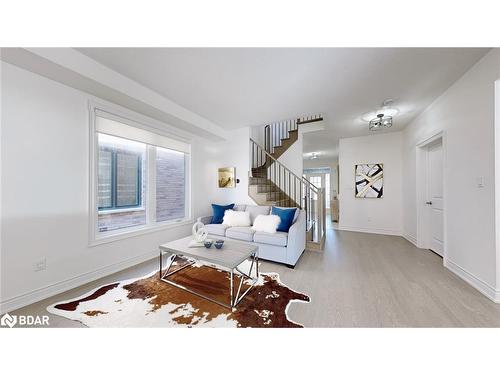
point(218, 212)
point(286, 217)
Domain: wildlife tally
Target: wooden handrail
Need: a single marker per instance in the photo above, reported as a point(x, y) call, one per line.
point(314, 187)
point(307, 120)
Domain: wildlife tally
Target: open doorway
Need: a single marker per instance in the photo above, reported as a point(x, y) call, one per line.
point(430, 195)
point(326, 177)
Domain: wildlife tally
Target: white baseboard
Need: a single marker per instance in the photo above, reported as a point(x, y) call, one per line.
point(63, 286)
point(410, 238)
point(389, 232)
point(475, 282)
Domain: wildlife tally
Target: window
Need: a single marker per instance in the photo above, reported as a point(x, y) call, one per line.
point(120, 187)
point(170, 184)
point(120, 173)
point(140, 177)
point(316, 181)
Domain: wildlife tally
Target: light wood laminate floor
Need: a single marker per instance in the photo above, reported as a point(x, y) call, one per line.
point(359, 280)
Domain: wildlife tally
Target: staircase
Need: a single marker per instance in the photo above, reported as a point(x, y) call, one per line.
point(279, 136)
point(272, 183)
point(279, 139)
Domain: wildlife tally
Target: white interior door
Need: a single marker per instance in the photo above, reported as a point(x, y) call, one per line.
point(435, 197)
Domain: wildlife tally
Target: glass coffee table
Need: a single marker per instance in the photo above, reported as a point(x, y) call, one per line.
point(229, 257)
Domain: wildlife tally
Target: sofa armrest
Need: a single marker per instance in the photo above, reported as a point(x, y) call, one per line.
point(205, 219)
point(296, 239)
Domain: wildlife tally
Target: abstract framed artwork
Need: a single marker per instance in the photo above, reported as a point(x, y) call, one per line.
point(227, 177)
point(369, 180)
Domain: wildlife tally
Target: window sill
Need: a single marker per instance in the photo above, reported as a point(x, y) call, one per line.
point(120, 210)
point(136, 231)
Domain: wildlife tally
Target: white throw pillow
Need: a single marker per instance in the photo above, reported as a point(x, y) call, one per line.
point(236, 218)
point(266, 223)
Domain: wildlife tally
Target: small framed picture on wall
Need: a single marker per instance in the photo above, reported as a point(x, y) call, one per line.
point(227, 177)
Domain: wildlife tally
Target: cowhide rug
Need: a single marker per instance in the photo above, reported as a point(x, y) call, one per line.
point(149, 302)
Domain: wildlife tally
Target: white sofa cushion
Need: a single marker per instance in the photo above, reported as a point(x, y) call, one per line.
point(240, 233)
point(277, 239)
point(256, 211)
point(236, 218)
point(266, 223)
point(216, 229)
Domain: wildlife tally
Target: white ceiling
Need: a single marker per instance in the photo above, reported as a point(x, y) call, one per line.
point(236, 87)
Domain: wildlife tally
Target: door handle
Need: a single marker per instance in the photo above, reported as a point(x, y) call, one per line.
point(429, 203)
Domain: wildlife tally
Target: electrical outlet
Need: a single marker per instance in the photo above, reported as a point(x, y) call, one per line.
point(40, 265)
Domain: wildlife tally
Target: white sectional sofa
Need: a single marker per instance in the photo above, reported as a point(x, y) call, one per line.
point(279, 247)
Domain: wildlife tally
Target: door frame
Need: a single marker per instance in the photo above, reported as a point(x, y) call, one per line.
point(423, 231)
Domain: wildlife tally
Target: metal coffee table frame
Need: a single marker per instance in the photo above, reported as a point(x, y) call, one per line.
point(233, 299)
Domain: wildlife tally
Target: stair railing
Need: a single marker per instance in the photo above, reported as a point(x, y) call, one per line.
point(282, 185)
point(316, 210)
point(287, 189)
point(274, 133)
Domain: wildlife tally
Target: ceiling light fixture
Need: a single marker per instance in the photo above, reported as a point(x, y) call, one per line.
point(382, 117)
point(380, 122)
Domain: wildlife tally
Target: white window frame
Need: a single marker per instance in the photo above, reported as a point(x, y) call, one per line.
point(149, 199)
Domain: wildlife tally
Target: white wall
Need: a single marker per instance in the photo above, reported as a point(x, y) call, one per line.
point(293, 158)
point(257, 134)
point(232, 153)
point(45, 183)
point(380, 215)
point(465, 112)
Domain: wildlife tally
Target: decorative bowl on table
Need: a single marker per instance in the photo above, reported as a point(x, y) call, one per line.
point(219, 243)
point(208, 244)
